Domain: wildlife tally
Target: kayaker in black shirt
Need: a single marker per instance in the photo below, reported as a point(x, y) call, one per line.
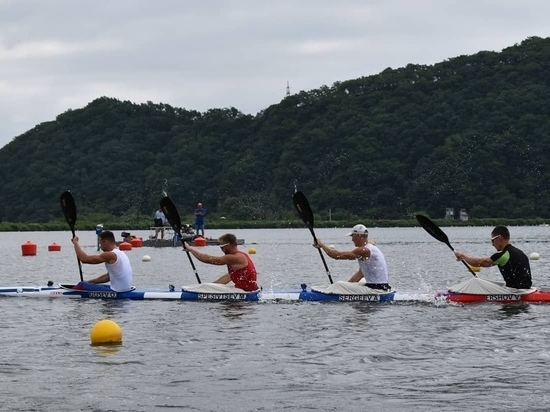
point(512, 262)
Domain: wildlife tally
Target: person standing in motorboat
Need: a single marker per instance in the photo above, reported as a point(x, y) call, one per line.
point(160, 221)
point(119, 270)
point(372, 263)
point(240, 268)
point(512, 263)
point(200, 212)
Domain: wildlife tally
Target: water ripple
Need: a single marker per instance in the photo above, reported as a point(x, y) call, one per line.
point(278, 356)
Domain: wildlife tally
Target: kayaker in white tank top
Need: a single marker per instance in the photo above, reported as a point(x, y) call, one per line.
point(372, 263)
point(119, 270)
point(374, 268)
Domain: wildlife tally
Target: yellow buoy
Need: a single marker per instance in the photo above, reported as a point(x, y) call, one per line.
point(106, 332)
point(251, 251)
point(475, 268)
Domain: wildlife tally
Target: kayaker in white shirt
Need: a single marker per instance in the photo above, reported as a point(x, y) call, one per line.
point(372, 263)
point(119, 270)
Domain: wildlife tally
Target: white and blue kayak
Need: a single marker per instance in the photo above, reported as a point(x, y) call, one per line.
point(345, 292)
point(170, 293)
point(212, 292)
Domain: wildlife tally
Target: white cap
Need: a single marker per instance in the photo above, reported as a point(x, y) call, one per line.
point(359, 229)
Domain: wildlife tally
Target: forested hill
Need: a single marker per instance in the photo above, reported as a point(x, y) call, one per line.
point(471, 132)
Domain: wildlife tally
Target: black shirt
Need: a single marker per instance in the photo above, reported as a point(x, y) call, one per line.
point(514, 267)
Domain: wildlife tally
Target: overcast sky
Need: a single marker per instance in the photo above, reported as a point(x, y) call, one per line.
point(57, 55)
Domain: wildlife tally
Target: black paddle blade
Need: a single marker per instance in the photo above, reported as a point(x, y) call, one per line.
point(437, 233)
point(69, 208)
point(171, 212)
point(303, 208)
point(306, 214)
point(432, 229)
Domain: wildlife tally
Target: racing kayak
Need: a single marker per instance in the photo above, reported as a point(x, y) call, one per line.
point(341, 291)
point(482, 290)
point(345, 292)
point(536, 296)
point(477, 289)
point(201, 292)
point(67, 291)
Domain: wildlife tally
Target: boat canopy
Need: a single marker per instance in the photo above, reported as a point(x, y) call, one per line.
point(349, 288)
point(479, 286)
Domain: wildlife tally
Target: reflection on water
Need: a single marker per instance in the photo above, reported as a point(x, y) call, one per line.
point(514, 309)
point(236, 309)
point(106, 350)
point(111, 308)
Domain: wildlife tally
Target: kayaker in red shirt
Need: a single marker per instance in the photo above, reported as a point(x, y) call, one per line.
point(240, 268)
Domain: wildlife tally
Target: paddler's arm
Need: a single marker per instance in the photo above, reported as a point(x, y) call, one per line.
point(356, 277)
point(474, 261)
point(204, 257)
point(109, 257)
point(100, 279)
point(80, 254)
point(337, 254)
point(224, 279)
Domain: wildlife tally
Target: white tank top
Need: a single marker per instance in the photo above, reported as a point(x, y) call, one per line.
point(374, 269)
point(120, 272)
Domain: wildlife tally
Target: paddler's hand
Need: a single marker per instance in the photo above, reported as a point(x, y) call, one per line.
point(459, 255)
point(75, 240)
point(318, 244)
point(185, 246)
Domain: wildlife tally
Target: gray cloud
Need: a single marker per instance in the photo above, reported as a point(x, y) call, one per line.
point(62, 54)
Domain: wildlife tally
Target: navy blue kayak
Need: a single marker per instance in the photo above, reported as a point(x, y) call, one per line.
point(303, 294)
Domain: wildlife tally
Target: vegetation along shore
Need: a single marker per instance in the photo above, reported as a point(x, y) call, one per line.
point(469, 133)
point(61, 225)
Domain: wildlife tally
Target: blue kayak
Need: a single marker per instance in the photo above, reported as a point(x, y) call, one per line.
point(303, 294)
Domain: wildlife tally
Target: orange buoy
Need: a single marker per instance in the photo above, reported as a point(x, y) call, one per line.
point(199, 241)
point(28, 248)
point(137, 242)
point(54, 247)
point(125, 246)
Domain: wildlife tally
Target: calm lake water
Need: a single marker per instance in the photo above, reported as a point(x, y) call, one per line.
point(200, 356)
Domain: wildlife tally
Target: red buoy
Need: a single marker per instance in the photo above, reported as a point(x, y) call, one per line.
point(28, 248)
point(54, 247)
point(137, 242)
point(125, 246)
point(199, 241)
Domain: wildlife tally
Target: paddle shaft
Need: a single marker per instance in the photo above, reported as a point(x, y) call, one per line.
point(465, 264)
point(322, 256)
point(171, 212)
point(306, 214)
point(78, 260)
point(438, 234)
point(192, 264)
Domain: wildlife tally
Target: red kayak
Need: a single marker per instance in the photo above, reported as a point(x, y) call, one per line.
point(536, 296)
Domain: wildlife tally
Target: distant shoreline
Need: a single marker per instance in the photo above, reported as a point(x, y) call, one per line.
point(271, 224)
